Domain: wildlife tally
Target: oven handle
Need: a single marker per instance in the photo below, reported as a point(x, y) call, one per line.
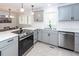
point(26, 37)
point(0, 53)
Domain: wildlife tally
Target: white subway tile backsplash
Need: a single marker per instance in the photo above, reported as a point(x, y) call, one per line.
point(68, 24)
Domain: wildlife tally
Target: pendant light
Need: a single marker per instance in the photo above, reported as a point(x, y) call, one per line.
point(22, 9)
point(32, 10)
point(9, 15)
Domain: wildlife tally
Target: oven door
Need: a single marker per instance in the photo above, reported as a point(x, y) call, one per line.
point(0, 53)
point(25, 44)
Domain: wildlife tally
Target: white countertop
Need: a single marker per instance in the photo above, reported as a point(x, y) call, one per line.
point(59, 29)
point(68, 30)
point(8, 34)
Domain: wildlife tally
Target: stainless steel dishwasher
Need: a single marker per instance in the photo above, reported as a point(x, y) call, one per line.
point(66, 40)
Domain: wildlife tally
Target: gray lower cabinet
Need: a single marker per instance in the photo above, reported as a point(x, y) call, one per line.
point(39, 34)
point(50, 36)
point(35, 36)
point(45, 36)
point(54, 38)
point(9, 47)
point(61, 39)
point(77, 42)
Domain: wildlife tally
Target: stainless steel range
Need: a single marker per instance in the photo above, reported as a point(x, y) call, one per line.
point(25, 39)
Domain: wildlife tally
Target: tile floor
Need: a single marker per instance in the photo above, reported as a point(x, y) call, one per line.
point(41, 49)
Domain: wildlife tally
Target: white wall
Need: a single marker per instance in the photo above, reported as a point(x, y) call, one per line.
point(54, 20)
point(50, 14)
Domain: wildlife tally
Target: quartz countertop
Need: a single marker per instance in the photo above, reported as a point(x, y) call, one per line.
point(8, 34)
point(68, 30)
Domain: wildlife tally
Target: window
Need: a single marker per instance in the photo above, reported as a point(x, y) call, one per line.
point(23, 19)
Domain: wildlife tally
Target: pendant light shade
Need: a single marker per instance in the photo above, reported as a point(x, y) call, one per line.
point(9, 14)
point(32, 13)
point(22, 9)
point(32, 10)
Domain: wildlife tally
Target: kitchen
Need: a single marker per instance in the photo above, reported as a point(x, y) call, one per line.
point(39, 29)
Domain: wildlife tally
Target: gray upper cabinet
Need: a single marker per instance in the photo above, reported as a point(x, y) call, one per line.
point(75, 11)
point(65, 13)
point(68, 12)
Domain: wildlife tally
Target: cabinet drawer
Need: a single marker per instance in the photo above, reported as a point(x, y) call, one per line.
point(7, 42)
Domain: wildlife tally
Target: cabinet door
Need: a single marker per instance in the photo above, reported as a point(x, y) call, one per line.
point(61, 39)
point(39, 34)
point(75, 11)
point(54, 38)
point(35, 36)
point(65, 13)
point(46, 36)
point(77, 42)
point(11, 49)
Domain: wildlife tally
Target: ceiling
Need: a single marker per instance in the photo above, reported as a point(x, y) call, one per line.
point(15, 7)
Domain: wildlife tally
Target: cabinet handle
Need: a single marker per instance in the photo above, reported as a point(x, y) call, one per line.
point(0, 53)
point(48, 34)
point(10, 40)
point(72, 18)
